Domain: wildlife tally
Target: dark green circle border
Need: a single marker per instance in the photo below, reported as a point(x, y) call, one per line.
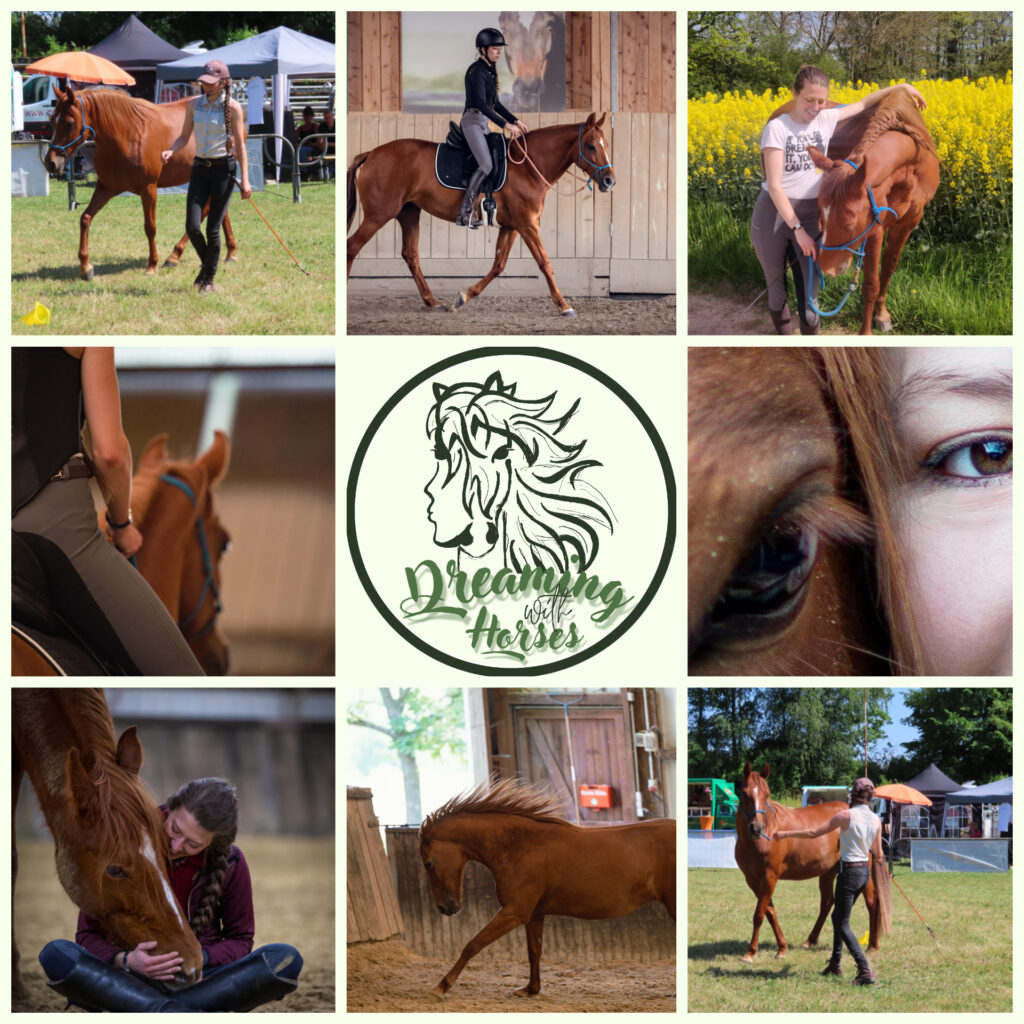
point(558, 357)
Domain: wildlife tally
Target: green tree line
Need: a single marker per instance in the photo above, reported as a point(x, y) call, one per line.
point(816, 736)
point(761, 50)
point(57, 31)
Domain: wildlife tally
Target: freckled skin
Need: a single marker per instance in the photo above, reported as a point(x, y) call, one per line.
point(737, 476)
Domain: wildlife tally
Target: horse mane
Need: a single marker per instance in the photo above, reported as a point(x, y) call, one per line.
point(896, 113)
point(498, 796)
point(109, 105)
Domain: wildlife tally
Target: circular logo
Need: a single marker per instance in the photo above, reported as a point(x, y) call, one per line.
point(511, 511)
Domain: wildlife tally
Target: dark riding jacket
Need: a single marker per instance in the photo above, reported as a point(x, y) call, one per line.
point(482, 92)
point(227, 938)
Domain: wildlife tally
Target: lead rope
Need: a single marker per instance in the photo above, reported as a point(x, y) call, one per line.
point(520, 141)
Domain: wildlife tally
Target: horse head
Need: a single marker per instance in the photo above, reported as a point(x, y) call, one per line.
point(112, 855)
point(445, 862)
point(754, 795)
point(594, 156)
point(844, 209)
point(185, 542)
point(69, 129)
point(527, 55)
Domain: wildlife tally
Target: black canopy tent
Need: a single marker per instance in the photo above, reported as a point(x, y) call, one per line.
point(138, 50)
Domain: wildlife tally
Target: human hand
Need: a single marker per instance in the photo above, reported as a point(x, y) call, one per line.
point(916, 97)
point(522, 127)
point(806, 243)
point(161, 967)
point(514, 131)
point(166, 155)
point(128, 541)
point(246, 188)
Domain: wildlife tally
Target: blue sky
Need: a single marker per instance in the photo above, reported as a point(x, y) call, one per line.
point(896, 733)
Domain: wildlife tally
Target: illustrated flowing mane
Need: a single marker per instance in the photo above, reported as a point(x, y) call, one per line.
point(498, 796)
point(516, 468)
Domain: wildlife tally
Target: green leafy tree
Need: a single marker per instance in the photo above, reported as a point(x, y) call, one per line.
point(722, 56)
point(415, 721)
point(966, 731)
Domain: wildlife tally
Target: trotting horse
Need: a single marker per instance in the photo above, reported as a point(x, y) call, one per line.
point(765, 860)
point(130, 135)
point(107, 830)
point(542, 865)
point(879, 191)
point(781, 576)
point(397, 181)
point(183, 543)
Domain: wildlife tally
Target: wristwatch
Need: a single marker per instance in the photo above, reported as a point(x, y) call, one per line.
point(795, 227)
point(119, 526)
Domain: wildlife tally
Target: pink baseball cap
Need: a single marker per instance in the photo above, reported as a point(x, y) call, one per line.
point(214, 71)
point(863, 783)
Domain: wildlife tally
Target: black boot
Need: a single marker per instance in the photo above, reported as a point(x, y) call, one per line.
point(782, 321)
point(95, 985)
point(236, 988)
point(833, 967)
point(476, 179)
point(865, 976)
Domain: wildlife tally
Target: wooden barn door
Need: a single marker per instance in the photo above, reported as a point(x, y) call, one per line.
point(600, 751)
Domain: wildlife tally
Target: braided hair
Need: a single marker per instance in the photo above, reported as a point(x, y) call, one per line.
point(213, 803)
point(229, 145)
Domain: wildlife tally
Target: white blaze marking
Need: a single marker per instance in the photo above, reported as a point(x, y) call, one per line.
point(149, 853)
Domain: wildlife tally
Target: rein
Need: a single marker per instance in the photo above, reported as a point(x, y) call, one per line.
point(520, 141)
point(812, 265)
point(209, 585)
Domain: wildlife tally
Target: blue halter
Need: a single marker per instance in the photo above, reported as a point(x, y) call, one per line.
point(584, 160)
point(76, 141)
point(209, 585)
point(812, 266)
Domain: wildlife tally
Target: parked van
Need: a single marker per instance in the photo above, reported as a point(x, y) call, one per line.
point(40, 97)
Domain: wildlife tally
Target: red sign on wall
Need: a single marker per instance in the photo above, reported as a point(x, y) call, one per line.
point(596, 796)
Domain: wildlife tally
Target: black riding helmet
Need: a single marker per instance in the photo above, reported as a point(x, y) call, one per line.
point(489, 37)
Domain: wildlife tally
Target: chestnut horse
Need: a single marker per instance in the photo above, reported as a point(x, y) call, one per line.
point(878, 191)
point(397, 181)
point(780, 575)
point(129, 134)
point(542, 865)
point(111, 850)
point(765, 860)
point(183, 542)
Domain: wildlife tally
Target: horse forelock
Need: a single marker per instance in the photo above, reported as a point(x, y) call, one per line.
point(502, 796)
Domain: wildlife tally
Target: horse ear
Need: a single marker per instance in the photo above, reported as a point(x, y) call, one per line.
point(494, 383)
point(79, 785)
point(767, 770)
point(601, 120)
point(819, 159)
point(129, 750)
point(439, 390)
point(591, 118)
point(746, 769)
point(154, 455)
point(215, 459)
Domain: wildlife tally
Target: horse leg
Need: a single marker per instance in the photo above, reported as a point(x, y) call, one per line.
point(501, 924)
point(230, 240)
point(825, 887)
point(506, 236)
point(101, 195)
point(18, 989)
point(871, 901)
point(869, 292)
point(897, 238)
point(765, 906)
point(409, 218)
point(534, 936)
point(369, 227)
point(148, 196)
point(531, 236)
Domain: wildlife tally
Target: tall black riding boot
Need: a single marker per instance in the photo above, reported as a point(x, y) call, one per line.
point(95, 985)
point(237, 988)
point(476, 179)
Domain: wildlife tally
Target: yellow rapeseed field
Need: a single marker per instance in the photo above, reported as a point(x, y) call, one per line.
point(971, 122)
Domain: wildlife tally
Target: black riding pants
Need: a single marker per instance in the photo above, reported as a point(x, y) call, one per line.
point(214, 183)
point(851, 881)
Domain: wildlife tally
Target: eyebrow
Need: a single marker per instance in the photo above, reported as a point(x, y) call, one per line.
point(996, 386)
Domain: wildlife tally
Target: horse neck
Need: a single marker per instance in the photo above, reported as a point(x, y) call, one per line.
point(484, 837)
point(47, 724)
point(168, 535)
point(101, 116)
point(555, 151)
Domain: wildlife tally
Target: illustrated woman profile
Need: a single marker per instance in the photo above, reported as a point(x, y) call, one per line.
point(504, 475)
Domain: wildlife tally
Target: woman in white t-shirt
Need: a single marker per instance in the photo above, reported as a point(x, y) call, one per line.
point(785, 220)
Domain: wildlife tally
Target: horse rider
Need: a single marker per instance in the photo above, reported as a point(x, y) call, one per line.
point(860, 835)
point(483, 105)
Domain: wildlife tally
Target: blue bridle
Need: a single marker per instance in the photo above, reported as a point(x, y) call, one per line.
point(209, 584)
point(584, 160)
point(812, 266)
point(76, 141)
point(756, 811)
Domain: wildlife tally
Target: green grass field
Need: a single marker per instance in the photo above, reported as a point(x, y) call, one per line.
point(263, 293)
point(972, 972)
point(938, 288)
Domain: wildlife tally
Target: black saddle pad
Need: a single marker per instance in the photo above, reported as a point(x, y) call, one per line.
point(455, 162)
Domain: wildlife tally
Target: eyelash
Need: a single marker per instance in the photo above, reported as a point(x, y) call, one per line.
point(941, 454)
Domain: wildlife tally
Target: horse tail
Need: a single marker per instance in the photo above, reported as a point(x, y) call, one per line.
point(352, 168)
point(883, 893)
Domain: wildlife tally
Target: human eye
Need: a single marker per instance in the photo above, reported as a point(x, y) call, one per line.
point(972, 461)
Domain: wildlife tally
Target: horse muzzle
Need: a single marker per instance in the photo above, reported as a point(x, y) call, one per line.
point(54, 162)
point(449, 907)
point(606, 183)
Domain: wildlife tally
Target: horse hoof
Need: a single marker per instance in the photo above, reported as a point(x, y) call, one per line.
point(231, 259)
point(569, 312)
point(885, 326)
point(438, 994)
point(149, 272)
point(781, 955)
point(525, 992)
point(461, 300)
point(88, 275)
point(748, 958)
point(169, 264)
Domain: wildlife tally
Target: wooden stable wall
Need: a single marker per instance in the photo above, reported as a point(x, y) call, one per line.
point(622, 241)
point(645, 935)
point(645, 51)
point(373, 912)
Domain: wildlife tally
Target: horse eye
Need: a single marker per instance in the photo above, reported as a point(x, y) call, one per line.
point(767, 590)
point(115, 872)
point(500, 453)
point(428, 864)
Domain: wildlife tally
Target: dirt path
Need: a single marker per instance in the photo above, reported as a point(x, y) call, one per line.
point(386, 977)
point(510, 315)
point(720, 308)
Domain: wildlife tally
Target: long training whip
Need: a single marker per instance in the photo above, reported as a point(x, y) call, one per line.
point(916, 911)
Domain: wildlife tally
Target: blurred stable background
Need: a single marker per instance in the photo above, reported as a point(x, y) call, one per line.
point(276, 405)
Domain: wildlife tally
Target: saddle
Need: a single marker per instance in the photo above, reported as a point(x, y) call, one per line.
point(454, 163)
point(43, 592)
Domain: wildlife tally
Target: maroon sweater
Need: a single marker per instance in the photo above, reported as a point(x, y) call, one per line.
point(229, 935)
